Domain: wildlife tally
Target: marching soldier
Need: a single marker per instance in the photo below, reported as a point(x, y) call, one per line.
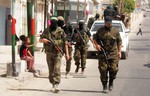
point(92, 20)
point(108, 42)
point(82, 36)
point(68, 30)
point(55, 41)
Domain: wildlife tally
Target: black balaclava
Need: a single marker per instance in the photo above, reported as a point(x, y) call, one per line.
point(53, 25)
point(81, 25)
point(61, 23)
point(108, 19)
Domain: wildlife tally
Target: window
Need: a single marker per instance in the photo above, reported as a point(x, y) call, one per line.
point(96, 26)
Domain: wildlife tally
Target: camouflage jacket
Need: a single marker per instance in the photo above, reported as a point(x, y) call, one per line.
point(58, 36)
point(111, 40)
point(85, 35)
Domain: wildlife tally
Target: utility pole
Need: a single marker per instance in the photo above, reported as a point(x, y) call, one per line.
point(55, 12)
point(45, 13)
point(52, 2)
point(77, 14)
point(31, 23)
point(84, 10)
point(14, 73)
point(65, 10)
point(120, 6)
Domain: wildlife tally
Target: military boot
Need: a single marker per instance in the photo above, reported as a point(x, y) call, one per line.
point(82, 71)
point(110, 84)
point(77, 69)
point(105, 89)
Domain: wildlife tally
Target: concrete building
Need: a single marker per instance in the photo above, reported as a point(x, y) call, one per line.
point(20, 14)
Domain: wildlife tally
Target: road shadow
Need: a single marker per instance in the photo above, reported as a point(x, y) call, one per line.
point(83, 91)
point(30, 90)
point(147, 65)
point(65, 90)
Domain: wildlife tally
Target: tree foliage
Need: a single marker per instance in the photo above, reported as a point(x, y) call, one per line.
point(128, 5)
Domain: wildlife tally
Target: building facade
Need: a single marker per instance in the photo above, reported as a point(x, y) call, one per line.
point(21, 16)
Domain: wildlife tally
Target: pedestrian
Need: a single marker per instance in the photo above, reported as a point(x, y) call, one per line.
point(55, 41)
point(82, 36)
point(92, 20)
point(140, 30)
point(108, 42)
point(109, 11)
point(25, 53)
point(68, 31)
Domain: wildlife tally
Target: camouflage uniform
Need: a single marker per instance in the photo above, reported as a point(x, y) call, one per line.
point(68, 64)
point(81, 49)
point(111, 40)
point(92, 20)
point(68, 31)
point(53, 57)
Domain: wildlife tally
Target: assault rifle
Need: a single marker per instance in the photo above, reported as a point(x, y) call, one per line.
point(58, 49)
point(76, 31)
point(103, 51)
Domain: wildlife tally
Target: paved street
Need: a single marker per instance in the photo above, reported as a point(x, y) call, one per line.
point(133, 78)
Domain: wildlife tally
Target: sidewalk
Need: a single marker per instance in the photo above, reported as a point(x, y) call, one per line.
point(40, 62)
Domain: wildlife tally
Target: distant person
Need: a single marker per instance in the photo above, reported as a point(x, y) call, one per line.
point(140, 30)
point(81, 38)
point(111, 12)
point(69, 32)
point(92, 20)
point(25, 54)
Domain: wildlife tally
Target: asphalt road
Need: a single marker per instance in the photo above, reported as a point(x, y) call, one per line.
point(133, 78)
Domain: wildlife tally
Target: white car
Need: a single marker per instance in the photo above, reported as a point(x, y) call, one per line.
point(123, 33)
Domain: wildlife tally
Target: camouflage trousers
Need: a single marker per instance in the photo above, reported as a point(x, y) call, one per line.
point(80, 54)
point(111, 68)
point(54, 65)
point(68, 63)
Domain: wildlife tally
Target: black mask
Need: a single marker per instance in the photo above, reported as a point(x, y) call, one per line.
point(53, 25)
point(81, 25)
point(60, 23)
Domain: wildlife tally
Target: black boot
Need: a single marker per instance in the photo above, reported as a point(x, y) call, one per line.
point(77, 69)
point(110, 84)
point(82, 72)
point(105, 89)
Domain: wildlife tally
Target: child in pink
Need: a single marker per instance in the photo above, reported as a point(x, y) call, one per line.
point(25, 54)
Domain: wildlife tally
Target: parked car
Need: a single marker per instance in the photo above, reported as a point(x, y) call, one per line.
point(123, 33)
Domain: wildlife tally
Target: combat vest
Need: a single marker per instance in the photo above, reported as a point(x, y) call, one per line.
point(110, 38)
point(57, 36)
point(84, 36)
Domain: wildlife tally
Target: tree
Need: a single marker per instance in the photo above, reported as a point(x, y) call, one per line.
point(127, 6)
